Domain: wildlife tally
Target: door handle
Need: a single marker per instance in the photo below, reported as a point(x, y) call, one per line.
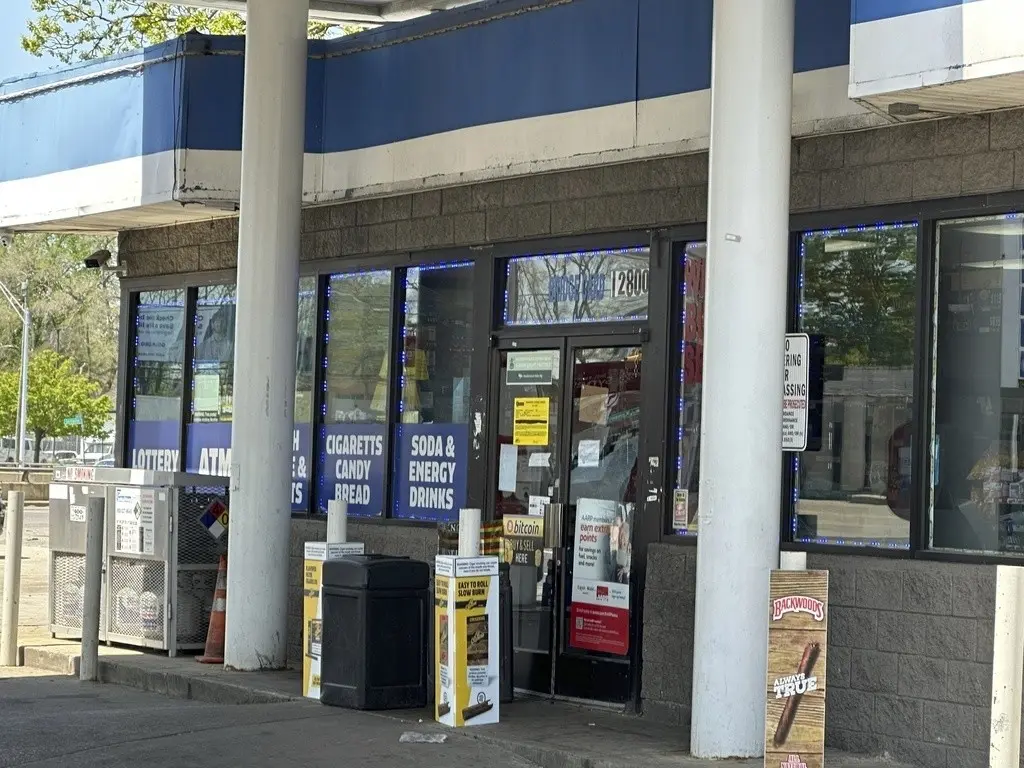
point(553, 525)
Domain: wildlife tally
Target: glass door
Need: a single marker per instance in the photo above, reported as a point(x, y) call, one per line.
point(603, 463)
point(568, 434)
point(528, 478)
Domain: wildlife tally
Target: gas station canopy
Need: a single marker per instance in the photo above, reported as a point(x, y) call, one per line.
point(354, 11)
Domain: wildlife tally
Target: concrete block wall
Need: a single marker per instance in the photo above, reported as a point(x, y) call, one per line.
point(910, 658)
point(910, 653)
point(667, 642)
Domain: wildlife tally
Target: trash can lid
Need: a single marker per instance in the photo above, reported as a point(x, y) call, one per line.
point(376, 572)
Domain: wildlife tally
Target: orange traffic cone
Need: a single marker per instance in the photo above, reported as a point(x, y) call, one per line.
point(215, 635)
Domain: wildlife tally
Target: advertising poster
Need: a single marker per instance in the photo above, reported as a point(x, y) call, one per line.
point(160, 333)
point(466, 642)
point(530, 421)
point(209, 453)
point(599, 614)
point(797, 645)
point(431, 467)
point(353, 466)
point(523, 540)
point(316, 552)
point(215, 333)
point(154, 445)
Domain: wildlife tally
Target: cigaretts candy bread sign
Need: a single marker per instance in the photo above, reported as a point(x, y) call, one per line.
point(795, 692)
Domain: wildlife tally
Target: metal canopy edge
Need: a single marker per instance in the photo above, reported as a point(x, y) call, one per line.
point(353, 11)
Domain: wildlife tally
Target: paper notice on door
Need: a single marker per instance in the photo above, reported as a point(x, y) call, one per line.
point(540, 459)
point(508, 461)
point(594, 405)
point(530, 420)
point(538, 505)
point(206, 389)
point(589, 454)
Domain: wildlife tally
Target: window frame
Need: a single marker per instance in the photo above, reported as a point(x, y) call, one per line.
point(928, 215)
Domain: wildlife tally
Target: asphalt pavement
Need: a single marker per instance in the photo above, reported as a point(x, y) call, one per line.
point(58, 721)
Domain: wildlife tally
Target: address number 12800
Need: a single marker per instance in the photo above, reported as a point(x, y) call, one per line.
point(630, 283)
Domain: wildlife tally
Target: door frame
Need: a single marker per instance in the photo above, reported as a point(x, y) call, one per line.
point(569, 340)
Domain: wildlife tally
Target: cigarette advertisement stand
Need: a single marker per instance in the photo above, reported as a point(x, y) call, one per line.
point(797, 645)
point(466, 640)
point(316, 552)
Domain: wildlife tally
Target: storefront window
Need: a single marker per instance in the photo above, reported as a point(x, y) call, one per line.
point(977, 481)
point(432, 438)
point(209, 434)
point(213, 369)
point(686, 472)
point(591, 286)
point(154, 436)
point(302, 439)
point(353, 460)
point(857, 291)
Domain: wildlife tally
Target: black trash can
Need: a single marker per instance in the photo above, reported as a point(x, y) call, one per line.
point(374, 652)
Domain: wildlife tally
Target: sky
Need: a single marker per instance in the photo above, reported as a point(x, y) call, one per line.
point(13, 60)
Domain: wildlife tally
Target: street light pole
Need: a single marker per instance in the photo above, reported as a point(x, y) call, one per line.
point(26, 332)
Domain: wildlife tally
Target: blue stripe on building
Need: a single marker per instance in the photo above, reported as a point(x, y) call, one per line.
point(439, 73)
point(877, 10)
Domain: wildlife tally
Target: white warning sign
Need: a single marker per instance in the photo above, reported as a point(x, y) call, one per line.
point(133, 520)
point(796, 392)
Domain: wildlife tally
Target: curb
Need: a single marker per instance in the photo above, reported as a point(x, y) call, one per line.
point(172, 684)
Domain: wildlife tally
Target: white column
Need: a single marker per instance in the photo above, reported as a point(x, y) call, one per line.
point(273, 127)
point(1007, 668)
point(741, 424)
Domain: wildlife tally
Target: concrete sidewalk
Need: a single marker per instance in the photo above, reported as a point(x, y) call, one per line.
point(548, 734)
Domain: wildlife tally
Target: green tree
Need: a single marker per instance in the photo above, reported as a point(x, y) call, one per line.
point(859, 291)
point(55, 392)
point(74, 309)
point(79, 30)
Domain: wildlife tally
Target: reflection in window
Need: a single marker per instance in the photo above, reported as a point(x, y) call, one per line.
point(353, 461)
point(977, 493)
point(302, 438)
point(857, 290)
point(358, 336)
point(432, 440)
point(214, 362)
point(208, 445)
point(158, 380)
point(691, 379)
point(578, 287)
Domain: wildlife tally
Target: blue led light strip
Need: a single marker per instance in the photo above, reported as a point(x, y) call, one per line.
point(396, 504)
point(804, 237)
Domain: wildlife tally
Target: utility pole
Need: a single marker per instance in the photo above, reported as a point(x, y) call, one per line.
point(21, 307)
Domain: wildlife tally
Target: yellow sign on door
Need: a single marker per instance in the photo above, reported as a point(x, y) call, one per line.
point(530, 421)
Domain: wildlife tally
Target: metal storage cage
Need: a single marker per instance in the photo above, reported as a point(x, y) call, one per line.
point(163, 536)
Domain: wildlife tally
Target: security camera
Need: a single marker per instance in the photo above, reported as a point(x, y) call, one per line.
point(98, 260)
point(6, 238)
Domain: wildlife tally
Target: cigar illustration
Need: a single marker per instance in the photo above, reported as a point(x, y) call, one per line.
point(789, 710)
point(443, 709)
point(476, 710)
